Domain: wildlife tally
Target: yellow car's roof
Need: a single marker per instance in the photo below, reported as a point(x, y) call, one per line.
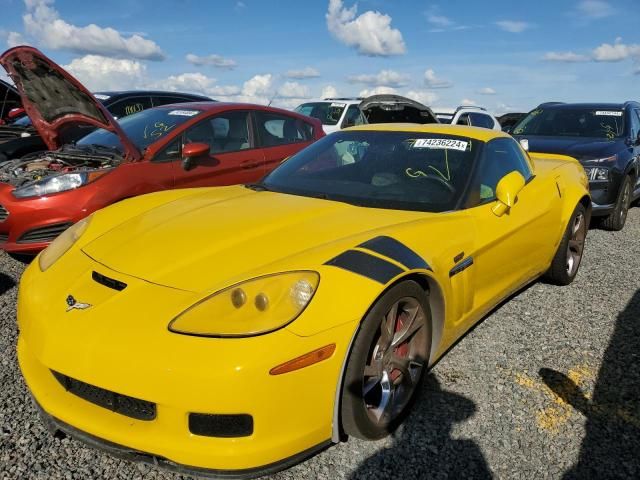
point(482, 134)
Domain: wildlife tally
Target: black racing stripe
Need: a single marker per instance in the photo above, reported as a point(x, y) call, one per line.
point(366, 265)
point(392, 248)
point(461, 267)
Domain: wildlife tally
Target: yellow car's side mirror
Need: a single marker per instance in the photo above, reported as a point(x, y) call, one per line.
point(507, 192)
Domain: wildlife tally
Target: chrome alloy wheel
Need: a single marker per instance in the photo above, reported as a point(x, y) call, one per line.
point(575, 247)
point(395, 361)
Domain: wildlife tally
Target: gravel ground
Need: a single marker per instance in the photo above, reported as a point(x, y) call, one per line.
point(547, 386)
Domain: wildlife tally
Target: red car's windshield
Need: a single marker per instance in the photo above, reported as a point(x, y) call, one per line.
point(143, 128)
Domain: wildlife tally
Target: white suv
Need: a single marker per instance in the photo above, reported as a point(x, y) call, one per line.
point(468, 115)
point(334, 113)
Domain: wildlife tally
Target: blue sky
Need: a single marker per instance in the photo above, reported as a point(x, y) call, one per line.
point(504, 55)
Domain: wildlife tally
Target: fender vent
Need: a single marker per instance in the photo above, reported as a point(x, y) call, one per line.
point(4, 213)
point(108, 282)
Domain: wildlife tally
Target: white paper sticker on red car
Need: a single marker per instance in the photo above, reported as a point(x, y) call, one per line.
point(440, 143)
point(184, 113)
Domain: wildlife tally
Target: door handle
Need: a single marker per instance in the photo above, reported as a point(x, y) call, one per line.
point(248, 164)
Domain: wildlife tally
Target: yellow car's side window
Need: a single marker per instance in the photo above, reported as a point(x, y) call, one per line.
point(486, 192)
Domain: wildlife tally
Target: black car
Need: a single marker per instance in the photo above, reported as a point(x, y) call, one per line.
point(604, 137)
point(20, 138)
point(509, 120)
point(9, 100)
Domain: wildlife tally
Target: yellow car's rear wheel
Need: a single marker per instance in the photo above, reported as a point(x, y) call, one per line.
point(387, 362)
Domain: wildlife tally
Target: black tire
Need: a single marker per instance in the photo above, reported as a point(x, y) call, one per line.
point(567, 259)
point(615, 220)
point(358, 417)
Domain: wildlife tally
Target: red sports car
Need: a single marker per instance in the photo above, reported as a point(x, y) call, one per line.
point(173, 146)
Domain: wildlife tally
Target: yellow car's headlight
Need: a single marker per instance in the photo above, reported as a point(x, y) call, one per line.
point(62, 243)
point(249, 308)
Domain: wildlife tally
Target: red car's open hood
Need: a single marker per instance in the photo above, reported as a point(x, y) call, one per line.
point(53, 98)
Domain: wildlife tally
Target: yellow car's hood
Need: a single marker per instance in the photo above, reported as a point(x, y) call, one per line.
point(224, 235)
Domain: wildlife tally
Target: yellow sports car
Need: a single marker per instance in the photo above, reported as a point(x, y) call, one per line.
point(238, 330)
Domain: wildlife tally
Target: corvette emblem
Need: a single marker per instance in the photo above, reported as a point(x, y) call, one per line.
point(73, 304)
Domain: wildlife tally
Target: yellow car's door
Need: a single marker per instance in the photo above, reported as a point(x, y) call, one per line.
point(512, 248)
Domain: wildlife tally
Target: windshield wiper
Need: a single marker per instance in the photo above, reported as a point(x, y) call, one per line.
point(256, 187)
point(97, 149)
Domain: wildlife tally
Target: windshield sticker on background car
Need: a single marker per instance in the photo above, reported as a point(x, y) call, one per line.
point(184, 113)
point(339, 105)
point(606, 113)
point(135, 108)
point(440, 143)
point(99, 96)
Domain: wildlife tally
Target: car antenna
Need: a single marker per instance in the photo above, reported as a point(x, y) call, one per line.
point(275, 94)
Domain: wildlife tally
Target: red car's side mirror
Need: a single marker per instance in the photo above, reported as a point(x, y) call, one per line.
point(191, 152)
point(15, 112)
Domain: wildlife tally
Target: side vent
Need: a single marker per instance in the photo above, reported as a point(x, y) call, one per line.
point(108, 282)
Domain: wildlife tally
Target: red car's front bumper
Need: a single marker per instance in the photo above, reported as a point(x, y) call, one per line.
point(29, 225)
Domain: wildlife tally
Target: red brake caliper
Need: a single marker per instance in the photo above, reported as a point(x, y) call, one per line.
point(401, 350)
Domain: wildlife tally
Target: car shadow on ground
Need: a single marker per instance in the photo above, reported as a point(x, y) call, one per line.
point(423, 447)
point(6, 283)
point(611, 447)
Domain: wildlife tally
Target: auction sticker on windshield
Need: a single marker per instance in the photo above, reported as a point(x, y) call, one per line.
point(604, 113)
point(184, 113)
point(440, 143)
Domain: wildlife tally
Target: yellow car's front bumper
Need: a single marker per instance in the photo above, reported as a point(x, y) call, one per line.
point(291, 414)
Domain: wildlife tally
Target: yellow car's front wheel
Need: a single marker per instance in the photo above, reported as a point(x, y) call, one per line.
point(387, 361)
point(568, 257)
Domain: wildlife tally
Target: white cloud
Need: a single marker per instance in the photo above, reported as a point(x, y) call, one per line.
point(503, 108)
point(258, 89)
point(389, 78)
point(616, 52)
point(291, 94)
point(378, 91)
point(468, 102)
point(196, 83)
point(103, 73)
point(565, 57)
point(329, 91)
point(487, 91)
point(439, 20)
point(293, 90)
point(423, 96)
point(441, 23)
point(595, 9)
point(369, 33)
point(308, 72)
point(14, 39)
point(216, 61)
point(431, 80)
point(186, 82)
point(258, 85)
point(43, 23)
point(513, 26)
point(223, 90)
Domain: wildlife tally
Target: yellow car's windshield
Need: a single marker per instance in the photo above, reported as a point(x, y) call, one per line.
point(397, 170)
